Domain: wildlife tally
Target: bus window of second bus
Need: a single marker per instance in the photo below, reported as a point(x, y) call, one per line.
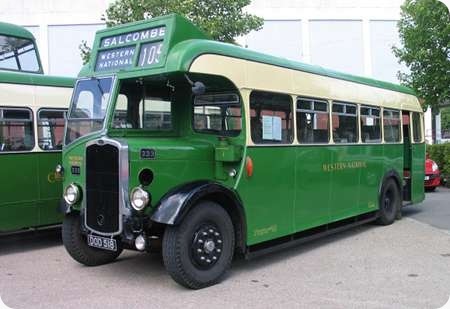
point(51, 129)
point(16, 129)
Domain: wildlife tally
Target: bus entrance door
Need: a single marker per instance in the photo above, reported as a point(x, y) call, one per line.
point(406, 157)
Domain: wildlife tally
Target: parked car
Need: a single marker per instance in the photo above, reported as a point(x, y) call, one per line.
point(432, 175)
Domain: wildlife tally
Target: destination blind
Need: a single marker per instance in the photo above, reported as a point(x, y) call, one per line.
point(120, 52)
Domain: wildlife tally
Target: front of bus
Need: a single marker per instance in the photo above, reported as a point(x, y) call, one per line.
point(123, 147)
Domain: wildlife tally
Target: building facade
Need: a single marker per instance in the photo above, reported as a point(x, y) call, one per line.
point(354, 36)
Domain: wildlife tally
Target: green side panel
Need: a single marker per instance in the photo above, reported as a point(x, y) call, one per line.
point(268, 196)
point(50, 188)
point(178, 161)
point(370, 176)
point(19, 191)
point(418, 172)
point(345, 176)
point(393, 158)
point(312, 186)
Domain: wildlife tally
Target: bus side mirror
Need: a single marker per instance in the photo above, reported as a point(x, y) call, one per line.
point(198, 88)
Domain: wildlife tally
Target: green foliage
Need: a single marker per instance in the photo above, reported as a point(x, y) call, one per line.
point(85, 51)
point(424, 29)
point(223, 20)
point(440, 153)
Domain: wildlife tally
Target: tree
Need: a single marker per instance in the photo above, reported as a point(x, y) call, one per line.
point(223, 20)
point(424, 30)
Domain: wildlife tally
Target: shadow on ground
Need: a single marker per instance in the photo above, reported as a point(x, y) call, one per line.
point(30, 240)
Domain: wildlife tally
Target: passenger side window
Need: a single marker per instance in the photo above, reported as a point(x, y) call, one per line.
point(344, 119)
point(16, 129)
point(391, 126)
point(218, 114)
point(417, 128)
point(312, 121)
point(271, 118)
point(155, 115)
point(370, 124)
point(51, 129)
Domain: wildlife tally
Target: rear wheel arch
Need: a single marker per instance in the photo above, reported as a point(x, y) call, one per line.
point(389, 199)
point(391, 174)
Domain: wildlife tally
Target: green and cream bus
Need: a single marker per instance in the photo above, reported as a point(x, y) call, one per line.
point(209, 150)
point(32, 116)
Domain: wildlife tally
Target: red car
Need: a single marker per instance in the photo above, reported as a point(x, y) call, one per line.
point(432, 175)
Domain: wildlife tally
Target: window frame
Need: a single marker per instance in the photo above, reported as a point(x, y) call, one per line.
point(400, 125)
point(313, 99)
point(293, 141)
point(380, 117)
point(54, 109)
point(411, 117)
point(38, 58)
point(214, 132)
point(32, 120)
point(356, 115)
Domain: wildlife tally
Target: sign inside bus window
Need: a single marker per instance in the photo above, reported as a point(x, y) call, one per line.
point(271, 128)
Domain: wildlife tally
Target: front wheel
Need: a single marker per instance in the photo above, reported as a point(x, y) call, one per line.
point(75, 243)
point(390, 203)
point(199, 251)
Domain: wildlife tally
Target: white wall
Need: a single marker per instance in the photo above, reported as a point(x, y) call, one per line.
point(353, 36)
point(64, 54)
point(59, 27)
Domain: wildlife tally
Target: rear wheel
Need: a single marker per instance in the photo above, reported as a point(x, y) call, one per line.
point(390, 202)
point(75, 243)
point(199, 251)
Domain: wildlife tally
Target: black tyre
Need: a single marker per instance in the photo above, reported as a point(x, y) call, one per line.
point(390, 203)
point(75, 243)
point(430, 189)
point(198, 252)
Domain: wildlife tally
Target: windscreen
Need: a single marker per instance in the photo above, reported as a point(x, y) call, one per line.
point(18, 54)
point(88, 108)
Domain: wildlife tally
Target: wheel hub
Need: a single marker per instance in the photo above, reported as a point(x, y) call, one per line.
point(209, 247)
point(206, 246)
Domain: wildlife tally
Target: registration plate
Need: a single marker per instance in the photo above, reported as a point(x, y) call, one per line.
point(427, 177)
point(102, 242)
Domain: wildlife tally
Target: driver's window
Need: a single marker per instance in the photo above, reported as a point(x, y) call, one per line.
point(146, 107)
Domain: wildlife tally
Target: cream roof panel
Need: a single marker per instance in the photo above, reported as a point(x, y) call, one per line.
point(254, 75)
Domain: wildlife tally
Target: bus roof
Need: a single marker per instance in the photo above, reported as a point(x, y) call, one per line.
point(35, 79)
point(127, 50)
point(14, 30)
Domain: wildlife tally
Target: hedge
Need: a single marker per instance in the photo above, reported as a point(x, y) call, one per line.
point(440, 153)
